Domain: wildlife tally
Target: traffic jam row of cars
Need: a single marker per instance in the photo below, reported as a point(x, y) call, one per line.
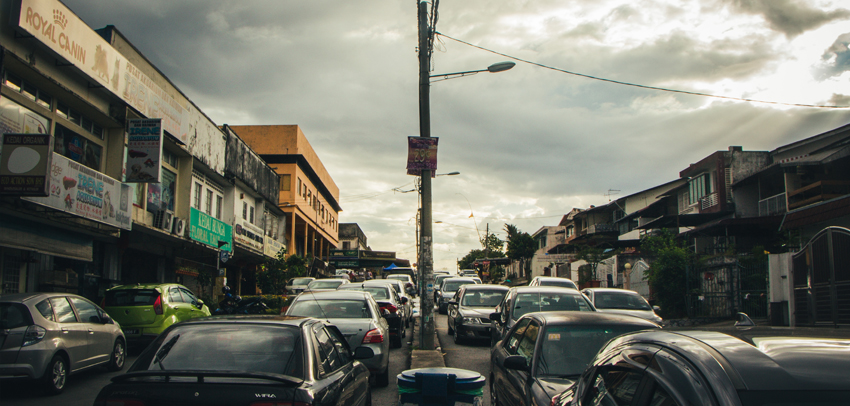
point(550, 344)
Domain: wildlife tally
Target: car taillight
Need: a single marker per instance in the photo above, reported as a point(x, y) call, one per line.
point(157, 305)
point(390, 308)
point(33, 335)
point(374, 336)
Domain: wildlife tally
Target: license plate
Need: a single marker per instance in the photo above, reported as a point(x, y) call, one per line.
point(131, 331)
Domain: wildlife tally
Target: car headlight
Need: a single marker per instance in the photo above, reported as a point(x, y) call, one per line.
point(471, 320)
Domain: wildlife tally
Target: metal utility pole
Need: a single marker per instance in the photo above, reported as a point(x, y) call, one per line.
point(426, 271)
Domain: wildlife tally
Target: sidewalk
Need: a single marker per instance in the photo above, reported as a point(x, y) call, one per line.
point(424, 358)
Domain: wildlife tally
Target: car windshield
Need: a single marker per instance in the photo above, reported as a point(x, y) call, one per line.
point(304, 281)
point(333, 284)
point(131, 297)
point(403, 278)
point(617, 300)
point(377, 292)
point(330, 308)
point(226, 347)
point(567, 349)
point(549, 302)
point(482, 298)
point(564, 283)
point(452, 286)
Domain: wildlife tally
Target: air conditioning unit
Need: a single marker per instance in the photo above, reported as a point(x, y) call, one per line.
point(164, 220)
point(180, 227)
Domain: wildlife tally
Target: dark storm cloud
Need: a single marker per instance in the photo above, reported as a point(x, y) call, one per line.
point(790, 17)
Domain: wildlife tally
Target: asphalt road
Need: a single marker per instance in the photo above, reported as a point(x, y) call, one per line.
point(474, 356)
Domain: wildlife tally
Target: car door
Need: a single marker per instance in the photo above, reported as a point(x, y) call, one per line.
point(355, 381)
point(505, 391)
point(100, 335)
point(453, 311)
point(197, 308)
point(74, 336)
point(330, 369)
point(179, 308)
point(520, 380)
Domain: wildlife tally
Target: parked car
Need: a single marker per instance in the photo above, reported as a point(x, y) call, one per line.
point(448, 290)
point(297, 285)
point(621, 301)
point(701, 368)
point(145, 311)
point(241, 360)
point(406, 309)
point(320, 285)
point(546, 352)
point(409, 285)
point(358, 318)
point(48, 336)
point(527, 299)
point(389, 303)
point(469, 311)
point(553, 281)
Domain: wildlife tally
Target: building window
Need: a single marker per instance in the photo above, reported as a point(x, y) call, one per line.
point(285, 180)
point(218, 201)
point(299, 186)
point(169, 158)
point(77, 147)
point(208, 202)
point(699, 187)
point(244, 211)
point(80, 120)
point(198, 191)
point(29, 90)
point(251, 216)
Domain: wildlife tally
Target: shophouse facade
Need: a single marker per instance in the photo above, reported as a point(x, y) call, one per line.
point(85, 88)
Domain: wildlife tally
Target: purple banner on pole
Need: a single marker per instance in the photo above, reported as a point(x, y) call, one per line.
point(421, 155)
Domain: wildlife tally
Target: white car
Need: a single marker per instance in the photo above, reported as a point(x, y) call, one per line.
point(553, 281)
point(622, 301)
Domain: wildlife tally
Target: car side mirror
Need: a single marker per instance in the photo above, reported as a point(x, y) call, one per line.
point(105, 319)
point(656, 309)
point(744, 320)
point(517, 362)
point(497, 317)
point(404, 300)
point(363, 353)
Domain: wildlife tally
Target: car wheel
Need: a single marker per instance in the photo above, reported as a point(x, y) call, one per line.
point(451, 330)
point(368, 397)
point(396, 341)
point(382, 380)
point(457, 337)
point(55, 375)
point(118, 356)
point(493, 400)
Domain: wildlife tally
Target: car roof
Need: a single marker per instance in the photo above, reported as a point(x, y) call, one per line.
point(31, 296)
point(611, 290)
point(545, 289)
point(589, 318)
point(487, 286)
point(551, 278)
point(333, 294)
point(459, 278)
point(762, 363)
point(254, 318)
point(144, 286)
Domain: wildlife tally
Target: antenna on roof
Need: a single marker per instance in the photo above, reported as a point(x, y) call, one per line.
point(610, 193)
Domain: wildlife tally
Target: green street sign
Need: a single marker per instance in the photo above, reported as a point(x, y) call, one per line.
point(209, 230)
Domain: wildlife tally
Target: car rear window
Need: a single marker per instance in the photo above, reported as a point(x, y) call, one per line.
point(452, 286)
point(549, 302)
point(331, 309)
point(14, 315)
point(566, 284)
point(616, 300)
point(226, 347)
point(325, 284)
point(131, 297)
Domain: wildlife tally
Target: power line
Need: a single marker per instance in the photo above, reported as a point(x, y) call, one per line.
point(638, 85)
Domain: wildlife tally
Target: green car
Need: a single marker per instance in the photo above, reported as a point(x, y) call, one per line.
point(144, 311)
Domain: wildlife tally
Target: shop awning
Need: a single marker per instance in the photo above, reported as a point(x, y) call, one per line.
point(30, 236)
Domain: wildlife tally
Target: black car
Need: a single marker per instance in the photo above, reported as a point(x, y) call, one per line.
point(245, 360)
point(546, 352)
point(469, 311)
point(390, 305)
point(526, 299)
point(714, 368)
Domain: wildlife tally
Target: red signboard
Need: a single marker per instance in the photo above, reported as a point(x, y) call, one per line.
point(421, 155)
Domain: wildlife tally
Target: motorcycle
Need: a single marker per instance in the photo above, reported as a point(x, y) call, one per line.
point(235, 305)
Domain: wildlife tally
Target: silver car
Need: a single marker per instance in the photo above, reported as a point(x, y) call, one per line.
point(357, 316)
point(450, 286)
point(553, 281)
point(622, 301)
point(47, 336)
point(320, 285)
point(406, 306)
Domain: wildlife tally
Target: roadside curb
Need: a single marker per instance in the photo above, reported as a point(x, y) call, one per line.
point(425, 358)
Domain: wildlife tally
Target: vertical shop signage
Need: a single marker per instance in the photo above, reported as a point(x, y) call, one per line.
point(209, 230)
point(79, 190)
point(25, 163)
point(421, 155)
point(144, 155)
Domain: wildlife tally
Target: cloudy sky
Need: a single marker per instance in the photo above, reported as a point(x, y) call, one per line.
point(530, 143)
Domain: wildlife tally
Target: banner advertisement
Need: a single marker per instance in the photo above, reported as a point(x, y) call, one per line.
point(24, 164)
point(56, 26)
point(344, 254)
point(248, 235)
point(209, 230)
point(15, 118)
point(272, 247)
point(379, 255)
point(421, 155)
point(144, 143)
point(79, 190)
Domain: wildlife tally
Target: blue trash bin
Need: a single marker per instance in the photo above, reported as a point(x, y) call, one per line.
point(440, 386)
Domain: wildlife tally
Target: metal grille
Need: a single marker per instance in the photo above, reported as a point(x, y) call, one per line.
point(822, 279)
point(11, 274)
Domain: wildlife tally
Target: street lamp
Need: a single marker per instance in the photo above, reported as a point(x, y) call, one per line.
point(494, 68)
point(426, 257)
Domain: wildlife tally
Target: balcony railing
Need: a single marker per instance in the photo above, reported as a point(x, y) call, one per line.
point(603, 228)
point(772, 205)
point(817, 192)
point(709, 200)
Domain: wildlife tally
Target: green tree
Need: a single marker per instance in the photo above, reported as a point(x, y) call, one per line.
point(593, 256)
point(494, 245)
point(521, 246)
point(668, 272)
point(276, 272)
